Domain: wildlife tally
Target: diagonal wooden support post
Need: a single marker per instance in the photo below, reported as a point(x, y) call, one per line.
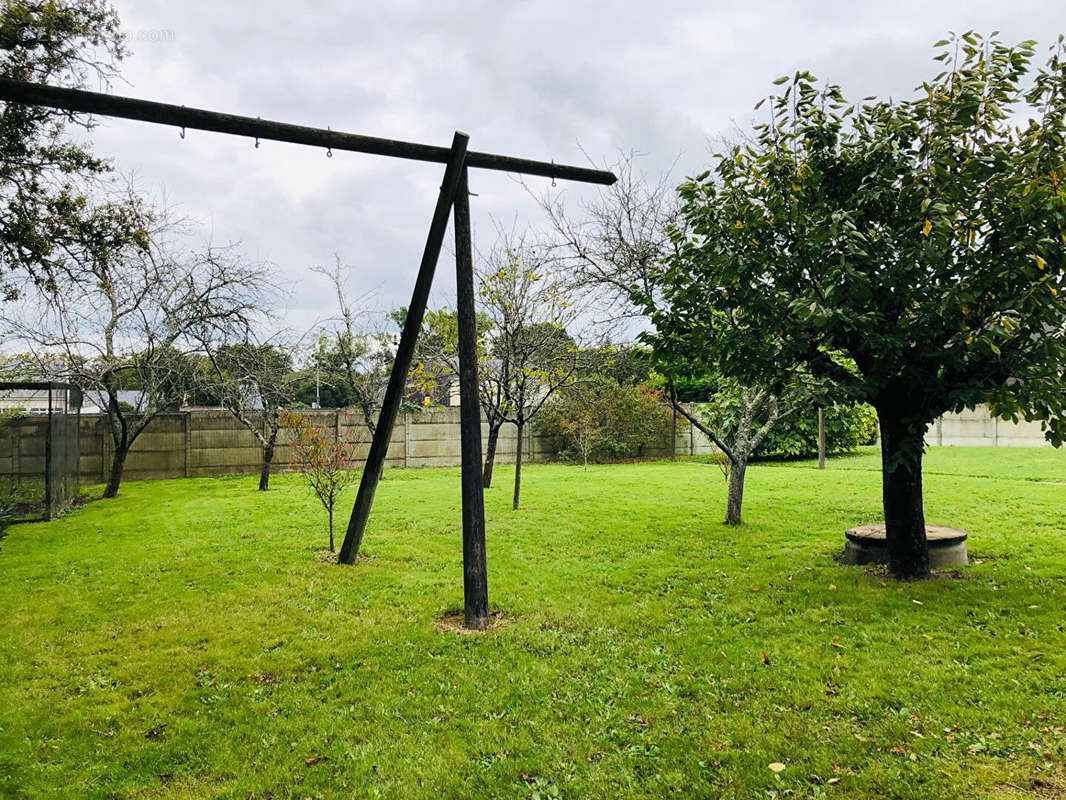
point(475, 581)
point(394, 393)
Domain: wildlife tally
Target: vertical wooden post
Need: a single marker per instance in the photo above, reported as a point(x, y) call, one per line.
point(475, 580)
point(821, 438)
point(394, 393)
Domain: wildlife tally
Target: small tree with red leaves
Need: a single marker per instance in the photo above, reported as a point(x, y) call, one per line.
point(322, 458)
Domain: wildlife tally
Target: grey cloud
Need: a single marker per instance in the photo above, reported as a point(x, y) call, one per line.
point(535, 79)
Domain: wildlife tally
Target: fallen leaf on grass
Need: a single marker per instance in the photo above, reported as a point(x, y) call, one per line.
point(776, 766)
point(315, 760)
point(765, 658)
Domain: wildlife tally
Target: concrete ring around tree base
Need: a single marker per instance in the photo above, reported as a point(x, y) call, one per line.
point(867, 545)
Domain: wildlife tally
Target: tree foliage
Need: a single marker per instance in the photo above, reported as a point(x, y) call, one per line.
point(600, 419)
point(529, 310)
point(847, 428)
point(46, 177)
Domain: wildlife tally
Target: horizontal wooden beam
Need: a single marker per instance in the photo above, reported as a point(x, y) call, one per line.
point(109, 105)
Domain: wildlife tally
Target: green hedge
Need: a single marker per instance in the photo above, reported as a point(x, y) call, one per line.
point(846, 429)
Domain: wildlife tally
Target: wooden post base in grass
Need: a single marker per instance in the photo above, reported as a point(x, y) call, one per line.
point(867, 545)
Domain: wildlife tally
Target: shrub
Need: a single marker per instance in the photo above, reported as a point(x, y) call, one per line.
point(602, 420)
point(796, 436)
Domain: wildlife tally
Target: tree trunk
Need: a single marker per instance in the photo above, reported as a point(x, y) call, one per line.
point(517, 468)
point(736, 492)
point(264, 471)
point(331, 531)
point(490, 454)
point(901, 468)
point(118, 464)
point(268, 453)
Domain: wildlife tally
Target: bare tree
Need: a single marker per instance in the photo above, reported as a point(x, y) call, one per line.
point(122, 313)
point(614, 251)
point(358, 356)
point(255, 381)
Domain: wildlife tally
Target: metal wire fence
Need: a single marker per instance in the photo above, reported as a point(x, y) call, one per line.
point(39, 449)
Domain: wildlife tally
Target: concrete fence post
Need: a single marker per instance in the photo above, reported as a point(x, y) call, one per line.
point(187, 418)
point(106, 446)
point(16, 446)
point(407, 441)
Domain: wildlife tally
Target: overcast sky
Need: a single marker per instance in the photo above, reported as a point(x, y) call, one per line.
point(542, 80)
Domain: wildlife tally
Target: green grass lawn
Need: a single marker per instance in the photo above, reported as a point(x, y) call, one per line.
point(186, 640)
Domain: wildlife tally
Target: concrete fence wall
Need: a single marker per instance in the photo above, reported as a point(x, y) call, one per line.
point(978, 428)
point(207, 443)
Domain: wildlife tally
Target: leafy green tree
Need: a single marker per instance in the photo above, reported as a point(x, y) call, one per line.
point(736, 416)
point(913, 252)
point(45, 176)
point(625, 364)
